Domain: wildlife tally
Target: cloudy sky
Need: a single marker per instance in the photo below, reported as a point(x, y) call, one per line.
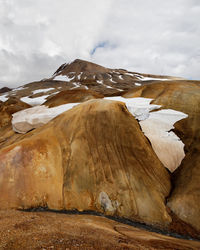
point(149, 36)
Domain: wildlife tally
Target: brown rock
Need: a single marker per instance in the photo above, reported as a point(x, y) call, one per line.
point(92, 157)
point(84, 75)
point(45, 230)
point(9, 107)
point(5, 89)
point(72, 96)
point(183, 96)
point(79, 65)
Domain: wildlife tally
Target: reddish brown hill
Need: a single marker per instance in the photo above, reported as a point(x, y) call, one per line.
point(92, 157)
point(5, 89)
point(183, 96)
point(72, 96)
point(81, 66)
point(85, 75)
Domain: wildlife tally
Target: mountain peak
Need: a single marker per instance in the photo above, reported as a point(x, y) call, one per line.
point(79, 65)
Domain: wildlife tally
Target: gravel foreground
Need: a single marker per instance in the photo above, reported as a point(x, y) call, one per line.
point(47, 230)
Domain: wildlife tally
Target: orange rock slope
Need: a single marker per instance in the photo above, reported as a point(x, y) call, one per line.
point(9, 107)
point(95, 156)
point(183, 96)
point(92, 157)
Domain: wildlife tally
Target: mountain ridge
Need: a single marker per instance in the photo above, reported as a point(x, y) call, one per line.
point(94, 153)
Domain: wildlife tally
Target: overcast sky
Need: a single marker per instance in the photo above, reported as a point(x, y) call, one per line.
point(147, 36)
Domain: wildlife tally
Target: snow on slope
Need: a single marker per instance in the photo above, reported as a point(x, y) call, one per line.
point(34, 101)
point(37, 116)
point(3, 98)
point(138, 107)
point(155, 125)
point(62, 78)
point(42, 90)
point(166, 144)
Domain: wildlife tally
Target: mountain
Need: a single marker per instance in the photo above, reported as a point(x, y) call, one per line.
point(120, 143)
point(82, 75)
point(4, 90)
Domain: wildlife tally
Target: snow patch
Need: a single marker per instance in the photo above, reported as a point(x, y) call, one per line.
point(166, 144)
point(3, 98)
point(129, 74)
point(137, 84)
point(100, 81)
point(109, 87)
point(41, 90)
point(144, 78)
point(112, 80)
point(138, 107)
point(156, 127)
point(34, 117)
point(76, 85)
point(34, 101)
point(64, 78)
point(79, 76)
point(20, 88)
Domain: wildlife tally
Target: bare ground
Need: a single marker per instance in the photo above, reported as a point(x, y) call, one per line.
point(47, 230)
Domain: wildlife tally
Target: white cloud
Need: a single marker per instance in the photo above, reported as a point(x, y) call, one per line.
point(150, 36)
point(36, 34)
point(153, 36)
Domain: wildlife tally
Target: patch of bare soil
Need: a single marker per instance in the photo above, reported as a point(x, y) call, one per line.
point(46, 230)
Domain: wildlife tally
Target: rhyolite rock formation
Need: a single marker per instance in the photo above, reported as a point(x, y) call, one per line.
point(72, 96)
point(95, 156)
point(11, 106)
point(92, 157)
point(155, 125)
point(183, 96)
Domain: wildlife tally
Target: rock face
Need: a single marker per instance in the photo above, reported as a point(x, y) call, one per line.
point(92, 157)
point(183, 96)
point(96, 156)
point(155, 125)
point(12, 105)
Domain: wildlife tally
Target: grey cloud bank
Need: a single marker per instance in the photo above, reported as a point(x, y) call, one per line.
point(150, 36)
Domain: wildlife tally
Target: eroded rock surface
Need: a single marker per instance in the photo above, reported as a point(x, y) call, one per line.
point(11, 106)
point(185, 97)
point(96, 157)
point(92, 157)
point(155, 125)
